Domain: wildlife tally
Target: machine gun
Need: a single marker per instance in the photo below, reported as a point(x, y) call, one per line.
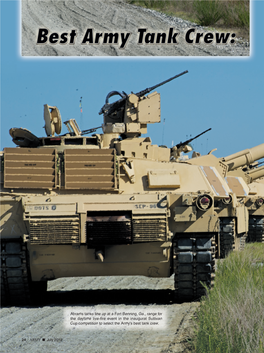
point(74, 129)
point(252, 166)
point(183, 146)
point(89, 131)
point(179, 145)
point(110, 108)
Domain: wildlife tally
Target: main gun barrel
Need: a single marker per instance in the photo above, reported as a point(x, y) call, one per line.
point(244, 157)
point(256, 173)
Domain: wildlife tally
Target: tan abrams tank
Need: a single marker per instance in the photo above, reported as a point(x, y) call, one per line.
point(239, 214)
point(254, 177)
point(109, 204)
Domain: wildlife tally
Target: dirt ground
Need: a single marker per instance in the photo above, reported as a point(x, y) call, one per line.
point(112, 16)
point(46, 327)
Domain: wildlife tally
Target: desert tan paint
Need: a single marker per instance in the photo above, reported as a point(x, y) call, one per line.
point(48, 193)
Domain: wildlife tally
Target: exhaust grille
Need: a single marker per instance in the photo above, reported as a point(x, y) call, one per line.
point(54, 230)
point(107, 230)
point(149, 228)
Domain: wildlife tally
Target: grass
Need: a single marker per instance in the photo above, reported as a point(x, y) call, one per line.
point(208, 12)
point(231, 316)
point(228, 15)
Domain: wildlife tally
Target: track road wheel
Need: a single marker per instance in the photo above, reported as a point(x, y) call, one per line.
point(194, 266)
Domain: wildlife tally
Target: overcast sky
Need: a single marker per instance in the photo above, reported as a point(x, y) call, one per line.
point(225, 94)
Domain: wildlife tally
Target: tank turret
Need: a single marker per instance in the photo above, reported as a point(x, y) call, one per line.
point(244, 157)
point(249, 175)
point(232, 162)
point(256, 173)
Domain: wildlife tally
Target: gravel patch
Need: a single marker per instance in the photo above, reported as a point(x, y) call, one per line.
point(115, 17)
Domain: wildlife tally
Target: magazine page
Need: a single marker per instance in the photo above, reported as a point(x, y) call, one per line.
point(131, 139)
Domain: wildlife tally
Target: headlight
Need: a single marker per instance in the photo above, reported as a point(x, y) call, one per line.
point(204, 202)
point(227, 200)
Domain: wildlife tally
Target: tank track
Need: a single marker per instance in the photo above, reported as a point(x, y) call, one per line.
point(227, 236)
point(255, 229)
point(194, 265)
point(242, 242)
point(14, 273)
point(17, 287)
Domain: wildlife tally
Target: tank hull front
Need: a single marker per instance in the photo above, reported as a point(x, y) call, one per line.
point(49, 262)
